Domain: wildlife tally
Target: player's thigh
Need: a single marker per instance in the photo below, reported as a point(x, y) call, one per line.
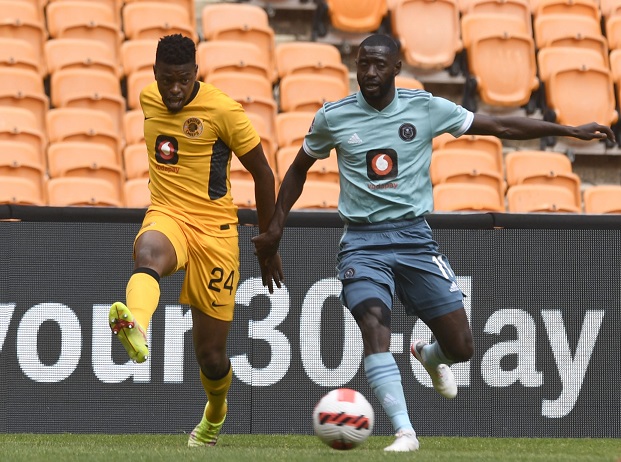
point(160, 244)
point(365, 275)
point(212, 275)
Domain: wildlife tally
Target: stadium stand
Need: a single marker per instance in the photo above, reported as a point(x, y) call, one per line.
point(67, 53)
point(136, 193)
point(21, 126)
point(137, 55)
point(24, 21)
point(152, 20)
point(20, 160)
point(24, 89)
point(21, 191)
point(232, 56)
point(308, 92)
point(466, 197)
point(83, 191)
point(489, 144)
point(603, 198)
point(532, 198)
point(135, 161)
point(291, 127)
point(20, 54)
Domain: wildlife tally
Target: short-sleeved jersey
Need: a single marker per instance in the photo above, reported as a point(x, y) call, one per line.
point(384, 156)
point(190, 152)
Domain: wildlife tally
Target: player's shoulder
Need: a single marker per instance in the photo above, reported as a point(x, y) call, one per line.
point(343, 103)
point(412, 94)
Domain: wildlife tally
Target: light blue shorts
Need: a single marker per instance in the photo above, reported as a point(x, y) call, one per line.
point(379, 260)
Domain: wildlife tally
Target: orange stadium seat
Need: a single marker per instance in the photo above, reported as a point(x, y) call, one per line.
point(18, 190)
point(514, 8)
point(476, 25)
point(242, 190)
point(24, 89)
point(238, 171)
point(65, 53)
point(613, 32)
point(22, 20)
point(74, 158)
point(603, 198)
point(83, 191)
point(246, 23)
point(84, 125)
point(428, 44)
point(20, 54)
point(136, 161)
point(318, 194)
point(188, 5)
point(39, 6)
point(268, 137)
point(402, 81)
point(21, 126)
point(466, 166)
point(308, 92)
point(23, 161)
point(532, 197)
point(91, 89)
point(113, 5)
point(298, 57)
point(466, 197)
point(232, 56)
point(152, 20)
point(584, 8)
point(542, 167)
point(549, 28)
point(292, 127)
point(609, 8)
point(490, 144)
point(136, 81)
point(357, 15)
point(136, 193)
point(133, 123)
point(322, 170)
point(86, 20)
point(138, 55)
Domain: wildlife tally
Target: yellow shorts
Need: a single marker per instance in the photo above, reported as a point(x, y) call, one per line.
point(211, 264)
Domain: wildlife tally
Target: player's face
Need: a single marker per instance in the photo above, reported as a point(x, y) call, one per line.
point(376, 69)
point(175, 83)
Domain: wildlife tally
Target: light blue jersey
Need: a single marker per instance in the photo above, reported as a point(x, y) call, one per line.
point(384, 156)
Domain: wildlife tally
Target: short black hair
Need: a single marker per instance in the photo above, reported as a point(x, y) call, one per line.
point(381, 40)
point(175, 49)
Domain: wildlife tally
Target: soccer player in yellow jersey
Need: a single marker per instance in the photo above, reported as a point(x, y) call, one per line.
point(191, 130)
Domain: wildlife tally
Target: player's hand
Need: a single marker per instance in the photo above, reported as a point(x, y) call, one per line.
point(271, 272)
point(594, 131)
point(266, 245)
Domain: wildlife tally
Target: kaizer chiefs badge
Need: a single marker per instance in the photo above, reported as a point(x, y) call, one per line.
point(407, 132)
point(193, 127)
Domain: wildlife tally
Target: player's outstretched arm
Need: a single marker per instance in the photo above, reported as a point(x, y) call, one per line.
point(525, 128)
point(256, 163)
point(266, 244)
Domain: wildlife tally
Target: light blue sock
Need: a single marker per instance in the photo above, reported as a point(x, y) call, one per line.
point(385, 381)
point(433, 355)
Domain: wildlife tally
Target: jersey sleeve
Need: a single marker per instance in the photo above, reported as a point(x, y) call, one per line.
point(236, 130)
point(448, 117)
point(318, 142)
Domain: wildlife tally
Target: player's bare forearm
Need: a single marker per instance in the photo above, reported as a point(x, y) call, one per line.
point(523, 128)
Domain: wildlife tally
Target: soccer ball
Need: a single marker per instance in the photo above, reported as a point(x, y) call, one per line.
point(343, 419)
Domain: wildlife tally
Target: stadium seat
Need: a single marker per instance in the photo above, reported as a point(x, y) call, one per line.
point(136, 193)
point(88, 160)
point(20, 125)
point(613, 32)
point(138, 55)
point(402, 81)
point(308, 92)
point(318, 194)
point(242, 22)
point(153, 20)
point(188, 5)
point(321, 170)
point(292, 127)
point(428, 44)
point(514, 8)
point(548, 29)
point(466, 197)
point(83, 191)
point(232, 56)
point(113, 5)
point(39, 6)
point(84, 125)
point(238, 171)
point(254, 93)
point(542, 167)
point(554, 58)
point(532, 197)
point(603, 198)
point(268, 137)
point(242, 190)
point(66, 53)
point(505, 68)
point(20, 54)
point(136, 161)
point(490, 144)
point(582, 94)
point(584, 8)
point(301, 57)
point(85, 20)
point(609, 8)
point(474, 26)
point(23, 161)
point(133, 123)
point(21, 191)
point(22, 20)
point(136, 81)
point(24, 89)
point(466, 166)
point(91, 89)
point(357, 15)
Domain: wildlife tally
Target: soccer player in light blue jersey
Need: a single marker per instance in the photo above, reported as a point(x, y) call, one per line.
point(382, 136)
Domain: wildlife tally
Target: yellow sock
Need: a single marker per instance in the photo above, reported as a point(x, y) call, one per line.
point(216, 391)
point(143, 295)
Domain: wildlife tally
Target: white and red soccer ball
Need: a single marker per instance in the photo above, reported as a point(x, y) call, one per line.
point(343, 419)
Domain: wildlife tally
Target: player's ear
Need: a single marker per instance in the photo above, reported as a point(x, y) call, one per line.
point(398, 67)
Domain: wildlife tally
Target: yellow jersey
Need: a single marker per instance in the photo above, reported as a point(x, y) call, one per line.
point(190, 152)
